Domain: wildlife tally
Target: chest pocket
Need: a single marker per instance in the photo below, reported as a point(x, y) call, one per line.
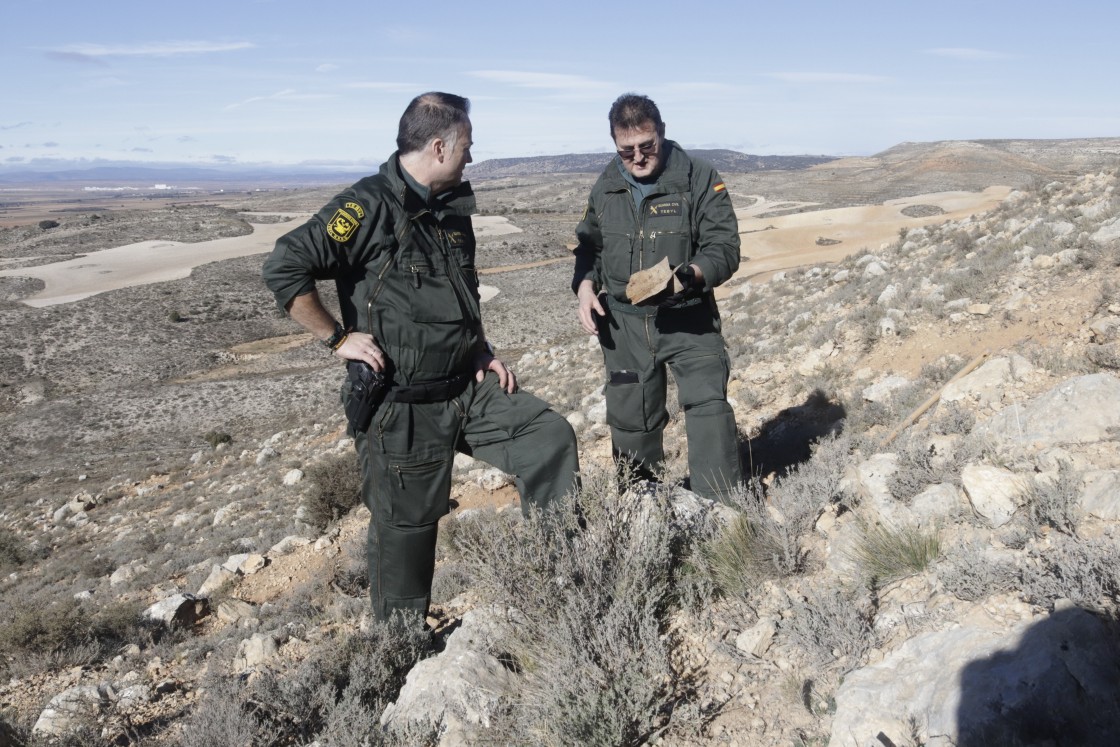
point(431, 290)
point(668, 230)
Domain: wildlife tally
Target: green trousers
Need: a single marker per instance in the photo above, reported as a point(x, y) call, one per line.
point(406, 458)
point(638, 345)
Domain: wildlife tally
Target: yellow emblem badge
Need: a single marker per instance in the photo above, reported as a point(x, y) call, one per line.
point(342, 226)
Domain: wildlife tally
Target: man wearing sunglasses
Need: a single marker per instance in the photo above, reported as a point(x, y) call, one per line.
point(654, 202)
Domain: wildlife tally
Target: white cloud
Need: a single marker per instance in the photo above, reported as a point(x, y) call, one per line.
point(549, 81)
point(326, 67)
point(827, 77)
point(149, 49)
point(966, 53)
point(288, 94)
point(374, 85)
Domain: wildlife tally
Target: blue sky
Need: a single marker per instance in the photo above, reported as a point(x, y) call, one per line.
point(277, 81)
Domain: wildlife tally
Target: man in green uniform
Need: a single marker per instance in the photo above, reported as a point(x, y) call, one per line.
point(654, 202)
point(400, 248)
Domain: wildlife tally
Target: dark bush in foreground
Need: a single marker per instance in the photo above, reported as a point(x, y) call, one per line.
point(336, 488)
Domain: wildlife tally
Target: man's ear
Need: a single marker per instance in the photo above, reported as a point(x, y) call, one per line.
point(438, 148)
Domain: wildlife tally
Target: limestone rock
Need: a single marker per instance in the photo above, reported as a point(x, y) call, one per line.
point(254, 651)
point(995, 493)
point(1052, 680)
point(218, 578)
point(458, 690)
point(756, 640)
point(70, 709)
point(1081, 410)
point(178, 609)
point(882, 390)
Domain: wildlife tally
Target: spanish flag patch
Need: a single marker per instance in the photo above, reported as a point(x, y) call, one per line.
point(719, 187)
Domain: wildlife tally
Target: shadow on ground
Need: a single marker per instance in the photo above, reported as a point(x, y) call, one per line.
point(1059, 686)
point(785, 441)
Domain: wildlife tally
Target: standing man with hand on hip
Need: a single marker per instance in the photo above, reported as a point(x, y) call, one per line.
point(654, 202)
point(400, 249)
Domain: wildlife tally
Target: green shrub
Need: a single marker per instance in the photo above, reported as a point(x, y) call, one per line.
point(1084, 572)
point(70, 631)
point(969, 574)
point(832, 625)
point(1054, 502)
point(336, 488)
point(336, 695)
point(13, 551)
point(216, 438)
point(886, 554)
point(593, 585)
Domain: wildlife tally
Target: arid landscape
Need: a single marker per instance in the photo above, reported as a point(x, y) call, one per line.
point(169, 436)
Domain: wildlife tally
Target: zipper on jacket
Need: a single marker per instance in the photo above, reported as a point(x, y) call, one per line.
point(377, 291)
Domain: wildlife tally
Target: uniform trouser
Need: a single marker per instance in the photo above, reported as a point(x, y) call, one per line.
point(638, 344)
point(407, 456)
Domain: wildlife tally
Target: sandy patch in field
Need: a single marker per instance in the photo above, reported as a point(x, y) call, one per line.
point(158, 261)
point(770, 244)
point(139, 264)
point(788, 241)
point(486, 226)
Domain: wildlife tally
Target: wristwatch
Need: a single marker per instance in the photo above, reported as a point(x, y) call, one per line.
point(335, 341)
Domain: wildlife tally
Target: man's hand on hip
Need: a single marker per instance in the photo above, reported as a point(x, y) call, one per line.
point(589, 306)
point(484, 362)
point(359, 346)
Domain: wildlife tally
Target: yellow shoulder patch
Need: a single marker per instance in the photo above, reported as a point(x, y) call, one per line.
point(719, 187)
point(343, 224)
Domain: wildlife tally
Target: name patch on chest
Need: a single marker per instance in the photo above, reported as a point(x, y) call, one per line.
point(664, 208)
point(455, 238)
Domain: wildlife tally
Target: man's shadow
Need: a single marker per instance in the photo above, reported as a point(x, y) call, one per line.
point(1059, 687)
point(785, 441)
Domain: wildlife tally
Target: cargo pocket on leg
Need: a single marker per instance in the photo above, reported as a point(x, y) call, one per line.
point(419, 490)
point(626, 401)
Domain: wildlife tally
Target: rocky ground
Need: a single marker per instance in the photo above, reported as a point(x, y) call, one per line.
point(944, 585)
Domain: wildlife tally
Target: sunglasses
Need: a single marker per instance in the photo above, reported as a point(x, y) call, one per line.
point(647, 149)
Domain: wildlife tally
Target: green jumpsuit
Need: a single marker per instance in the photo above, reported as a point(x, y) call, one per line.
point(404, 268)
point(688, 218)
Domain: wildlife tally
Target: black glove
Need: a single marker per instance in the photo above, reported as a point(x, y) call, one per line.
point(690, 288)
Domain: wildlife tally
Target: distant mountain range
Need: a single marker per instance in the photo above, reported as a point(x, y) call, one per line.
point(75, 173)
point(989, 159)
point(178, 174)
point(728, 161)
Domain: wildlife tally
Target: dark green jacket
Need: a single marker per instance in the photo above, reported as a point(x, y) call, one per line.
point(688, 218)
point(404, 269)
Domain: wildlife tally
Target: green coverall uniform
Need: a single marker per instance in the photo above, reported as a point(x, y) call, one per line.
point(404, 269)
point(688, 218)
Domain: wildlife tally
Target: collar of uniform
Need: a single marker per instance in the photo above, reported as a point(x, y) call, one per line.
point(458, 200)
point(673, 178)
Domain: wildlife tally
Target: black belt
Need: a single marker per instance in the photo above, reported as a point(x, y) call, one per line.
point(429, 391)
point(628, 308)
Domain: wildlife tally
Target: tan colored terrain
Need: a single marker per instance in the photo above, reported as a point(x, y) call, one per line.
point(786, 241)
